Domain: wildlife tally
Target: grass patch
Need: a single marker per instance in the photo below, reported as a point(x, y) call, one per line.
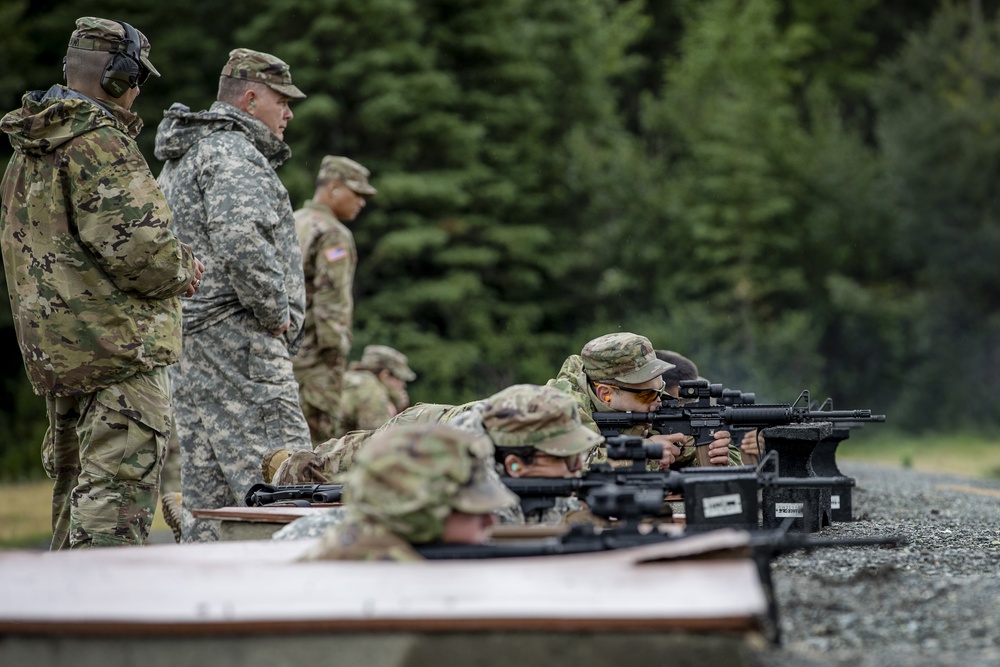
point(26, 515)
point(971, 455)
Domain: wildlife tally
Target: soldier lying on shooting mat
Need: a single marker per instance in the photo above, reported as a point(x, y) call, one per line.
point(328, 463)
point(536, 432)
point(414, 485)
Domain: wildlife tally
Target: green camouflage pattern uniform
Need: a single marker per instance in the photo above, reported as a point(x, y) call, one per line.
point(543, 418)
point(235, 394)
point(405, 483)
point(519, 416)
point(94, 274)
point(329, 260)
point(331, 460)
point(620, 357)
point(367, 402)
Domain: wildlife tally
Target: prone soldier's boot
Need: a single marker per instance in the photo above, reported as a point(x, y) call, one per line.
point(269, 464)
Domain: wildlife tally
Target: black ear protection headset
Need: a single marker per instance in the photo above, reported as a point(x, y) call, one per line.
point(124, 70)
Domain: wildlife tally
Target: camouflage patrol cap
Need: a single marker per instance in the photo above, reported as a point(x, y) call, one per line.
point(346, 171)
point(262, 68)
point(383, 357)
point(624, 357)
point(527, 415)
point(410, 478)
point(96, 34)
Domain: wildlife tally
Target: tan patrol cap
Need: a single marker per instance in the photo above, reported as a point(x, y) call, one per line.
point(527, 415)
point(262, 68)
point(346, 171)
point(623, 357)
point(379, 357)
point(97, 34)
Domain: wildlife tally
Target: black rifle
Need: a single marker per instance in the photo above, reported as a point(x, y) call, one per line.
point(713, 497)
point(764, 546)
point(694, 414)
point(299, 495)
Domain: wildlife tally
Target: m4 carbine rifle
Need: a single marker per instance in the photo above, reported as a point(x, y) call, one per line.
point(701, 409)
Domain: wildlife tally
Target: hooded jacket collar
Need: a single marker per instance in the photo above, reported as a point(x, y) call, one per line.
point(49, 118)
point(181, 129)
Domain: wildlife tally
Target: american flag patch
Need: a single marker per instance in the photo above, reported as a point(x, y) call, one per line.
point(334, 253)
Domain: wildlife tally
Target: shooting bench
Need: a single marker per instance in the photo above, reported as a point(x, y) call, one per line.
point(251, 604)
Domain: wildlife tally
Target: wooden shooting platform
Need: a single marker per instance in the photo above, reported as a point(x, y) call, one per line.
point(252, 603)
point(255, 523)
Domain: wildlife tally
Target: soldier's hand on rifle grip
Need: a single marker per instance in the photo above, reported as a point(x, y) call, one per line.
point(671, 447)
point(716, 452)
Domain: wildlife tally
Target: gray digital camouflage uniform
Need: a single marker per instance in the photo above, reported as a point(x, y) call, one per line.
point(93, 274)
point(406, 483)
point(330, 259)
point(235, 393)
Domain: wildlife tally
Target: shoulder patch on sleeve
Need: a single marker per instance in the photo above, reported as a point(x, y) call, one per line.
point(333, 253)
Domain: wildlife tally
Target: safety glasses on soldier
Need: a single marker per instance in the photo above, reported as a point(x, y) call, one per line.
point(645, 396)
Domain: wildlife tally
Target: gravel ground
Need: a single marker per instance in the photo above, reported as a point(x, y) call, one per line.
point(935, 601)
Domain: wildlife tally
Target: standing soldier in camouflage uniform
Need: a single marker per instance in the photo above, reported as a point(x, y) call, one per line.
point(94, 275)
point(329, 259)
point(417, 484)
point(620, 372)
point(235, 391)
point(375, 389)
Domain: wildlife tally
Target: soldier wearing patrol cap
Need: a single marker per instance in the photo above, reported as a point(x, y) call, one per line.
point(235, 393)
point(620, 372)
point(415, 485)
point(536, 432)
point(374, 389)
point(329, 259)
point(94, 274)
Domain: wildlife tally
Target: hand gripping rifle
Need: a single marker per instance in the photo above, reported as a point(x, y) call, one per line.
point(713, 497)
point(694, 414)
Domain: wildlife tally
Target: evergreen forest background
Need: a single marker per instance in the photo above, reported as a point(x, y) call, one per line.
point(795, 194)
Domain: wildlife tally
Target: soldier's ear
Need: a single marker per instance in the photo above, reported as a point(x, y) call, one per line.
point(513, 464)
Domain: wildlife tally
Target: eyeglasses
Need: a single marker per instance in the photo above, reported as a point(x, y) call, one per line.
point(143, 75)
point(646, 396)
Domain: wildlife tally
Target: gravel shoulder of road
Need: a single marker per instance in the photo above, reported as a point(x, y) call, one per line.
point(934, 601)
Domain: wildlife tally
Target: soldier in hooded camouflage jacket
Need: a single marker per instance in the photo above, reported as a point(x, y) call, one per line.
point(235, 391)
point(94, 275)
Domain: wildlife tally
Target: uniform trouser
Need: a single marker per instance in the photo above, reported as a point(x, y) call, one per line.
point(104, 452)
point(235, 399)
point(320, 393)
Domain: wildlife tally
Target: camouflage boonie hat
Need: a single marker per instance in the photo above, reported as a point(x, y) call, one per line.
point(527, 415)
point(346, 171)
point(379, 357)
point(262, 68)
point(96, 34)
point(410, 478)
point(624, 357)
